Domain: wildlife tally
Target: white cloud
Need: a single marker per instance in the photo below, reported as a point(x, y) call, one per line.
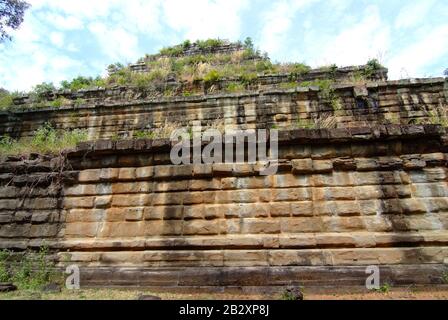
point(277, 24)
point(414, 13)
point(64, 22)
point(356, 44)
point(116, 43)
point(412, 59)
point(203, 19)
point(57, 39)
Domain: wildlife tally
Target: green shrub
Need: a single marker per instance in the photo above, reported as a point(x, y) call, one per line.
point(172, 51)
point(248, 43)
point(263, 66)
point(5, 275)
point(445, 277)
point(288, 85)
point(186, 44)
point(40, 90)
point(46, 139)
point(372, 66)
point(248, 77)
point(29, 270)
point(34, 270)
point(385, 288)
point(212, 76)
point(59, 102)
point(144, 134)
point(306, 124)
point(299, 69)
point(209, 43)
point(235, 87)
point(6, 100)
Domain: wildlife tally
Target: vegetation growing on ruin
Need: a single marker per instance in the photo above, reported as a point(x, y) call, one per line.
point(6, 100)
point(28, 270)
point(46, 140)
point(240, 70)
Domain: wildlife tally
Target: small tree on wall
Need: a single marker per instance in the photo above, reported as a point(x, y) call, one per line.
point(11, 16)
point(446, 72)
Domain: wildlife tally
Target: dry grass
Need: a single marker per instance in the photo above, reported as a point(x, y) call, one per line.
point(357, 293)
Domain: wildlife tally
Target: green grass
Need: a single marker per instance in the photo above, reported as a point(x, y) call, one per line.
point(235, 87)
point(28, 270)
point(46, 140)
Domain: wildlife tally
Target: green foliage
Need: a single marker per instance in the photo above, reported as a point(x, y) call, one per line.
point(144, 134)
point(248, 43)
point(212, 76)
point(235, 87)
point(209, 43)
point(29, 270)
point(288, 296)
point(46, 139)
point(248, 77)
point(116, 67)
point(5, 274)
point(372, 66)
point(385, 288)
point(306, 124)
point(327, 93)
point(40, 90)
point(6, 100)
point(186, 44)
point(81, 82)
point(297, 70)
point(445, 277)
point(59, 102)
point(126, 77)
point(172, 51)
point(79, 102)
point(288, 85)
point(263, 66)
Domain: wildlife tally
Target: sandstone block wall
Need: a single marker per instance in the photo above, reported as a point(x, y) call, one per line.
point(397, 102)
point(341, 200)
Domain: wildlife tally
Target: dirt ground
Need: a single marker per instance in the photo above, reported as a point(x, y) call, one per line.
point(402, 293)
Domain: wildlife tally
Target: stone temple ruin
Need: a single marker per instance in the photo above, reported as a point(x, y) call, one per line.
point(361, 181)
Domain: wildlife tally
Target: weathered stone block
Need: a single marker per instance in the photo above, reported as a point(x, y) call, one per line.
point(140, 200)
point(258, 226)
point(300, 166)
point(103, 202)
point(127, 174)
point(322, 166)
point(81, 229)
point(281, 209)
point(301, 225)
point(302, 209)
point(200, 227)
point(134, 214)
point(144, 172)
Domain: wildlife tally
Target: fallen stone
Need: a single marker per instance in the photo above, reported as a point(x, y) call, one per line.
point(148, 297)
point(7, 287)
point(293, 293)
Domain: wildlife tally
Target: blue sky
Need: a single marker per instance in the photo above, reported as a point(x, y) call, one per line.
point(63, 39)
